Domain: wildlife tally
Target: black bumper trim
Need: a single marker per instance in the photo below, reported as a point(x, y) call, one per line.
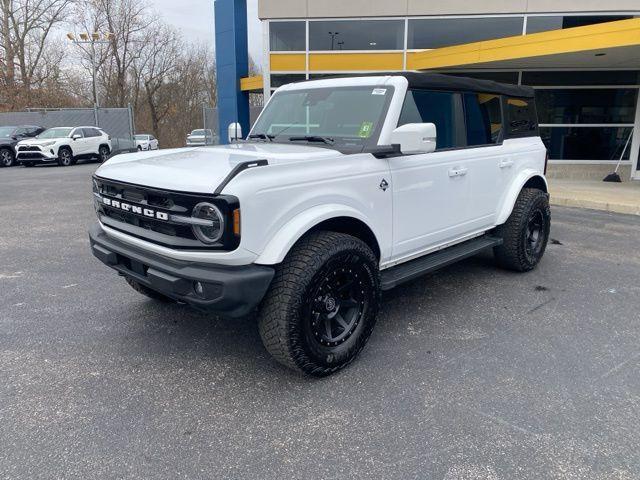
point(232, 291)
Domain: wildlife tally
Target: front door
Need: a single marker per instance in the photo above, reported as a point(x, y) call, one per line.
point(431, 201)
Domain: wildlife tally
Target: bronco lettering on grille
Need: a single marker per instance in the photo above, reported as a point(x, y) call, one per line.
point(127, 207)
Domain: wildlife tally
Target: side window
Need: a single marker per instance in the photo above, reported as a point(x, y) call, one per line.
point(90, 132)
point(77, 131)
point(483, 118)
point(20, 132)
point(439, 108)
point(521, 117)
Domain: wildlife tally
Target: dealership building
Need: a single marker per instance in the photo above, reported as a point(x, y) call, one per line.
point(581, 56)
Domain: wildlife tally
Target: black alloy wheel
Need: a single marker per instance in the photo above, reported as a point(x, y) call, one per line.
point(337, 299)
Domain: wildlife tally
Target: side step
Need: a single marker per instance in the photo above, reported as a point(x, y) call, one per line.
point(404, 272)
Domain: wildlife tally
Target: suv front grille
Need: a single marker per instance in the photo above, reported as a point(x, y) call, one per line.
point(28, 148)
point(163, 232)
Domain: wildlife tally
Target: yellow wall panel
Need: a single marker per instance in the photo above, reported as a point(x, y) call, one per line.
point(290, 62)
point(355, 61)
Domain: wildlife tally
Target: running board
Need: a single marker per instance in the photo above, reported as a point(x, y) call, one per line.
point(405, 272)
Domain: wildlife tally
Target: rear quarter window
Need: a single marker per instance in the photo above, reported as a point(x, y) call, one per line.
point(521, 116)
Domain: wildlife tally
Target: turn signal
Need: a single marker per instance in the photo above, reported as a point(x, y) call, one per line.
point(236, 222)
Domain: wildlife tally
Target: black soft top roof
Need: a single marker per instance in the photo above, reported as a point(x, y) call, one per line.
point(438, 81)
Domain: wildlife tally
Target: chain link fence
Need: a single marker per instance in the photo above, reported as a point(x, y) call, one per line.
point(210, 119)
point(117, 122)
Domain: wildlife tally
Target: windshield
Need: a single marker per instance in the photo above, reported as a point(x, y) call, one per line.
point(197, 132)
point(142, 137)
point(6, 131)
point(346, 116)
point(55, 133)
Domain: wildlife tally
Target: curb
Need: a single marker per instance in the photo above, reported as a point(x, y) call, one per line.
point(561, 201)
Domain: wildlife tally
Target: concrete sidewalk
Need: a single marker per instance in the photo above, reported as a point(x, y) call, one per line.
point(611, 197)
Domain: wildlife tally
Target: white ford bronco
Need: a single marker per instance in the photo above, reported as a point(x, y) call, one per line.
point(344, 188)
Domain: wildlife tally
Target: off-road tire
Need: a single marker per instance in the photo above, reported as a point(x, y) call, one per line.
point(65, 157)
point(7, 157)
point(147, 292)
point(339, 265)
point(518, 251)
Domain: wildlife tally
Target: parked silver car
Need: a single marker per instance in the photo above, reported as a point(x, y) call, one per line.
point(201, 137)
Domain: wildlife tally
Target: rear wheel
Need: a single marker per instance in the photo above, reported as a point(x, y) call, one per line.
point(526, 232)
point(6, 157)
point(65, 158)
point(322, 304)
point(103, 153)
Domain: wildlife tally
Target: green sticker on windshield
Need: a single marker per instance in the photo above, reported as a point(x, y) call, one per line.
point(365, 129)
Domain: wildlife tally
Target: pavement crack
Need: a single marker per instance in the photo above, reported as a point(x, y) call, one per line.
point(500, 421)
point(620, 365)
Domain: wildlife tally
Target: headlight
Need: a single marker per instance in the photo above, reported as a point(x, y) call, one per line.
point(47, 144)
point(211, 228)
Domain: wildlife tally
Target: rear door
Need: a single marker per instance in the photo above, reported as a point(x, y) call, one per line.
point(431, 192)
point(79, 145)
point(93, 138)
point(490, 166)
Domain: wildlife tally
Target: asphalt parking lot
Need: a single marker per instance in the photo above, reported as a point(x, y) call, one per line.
point(471, 373)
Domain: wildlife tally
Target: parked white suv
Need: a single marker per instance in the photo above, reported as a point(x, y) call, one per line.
point(146, 142)
point(64, 145)
point(344, 188)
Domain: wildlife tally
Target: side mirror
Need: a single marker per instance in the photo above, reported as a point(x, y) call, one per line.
point(77, 136)
point(235, 132)
point(415, 138)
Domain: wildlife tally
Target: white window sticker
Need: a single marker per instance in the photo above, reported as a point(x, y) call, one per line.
point(379, 91)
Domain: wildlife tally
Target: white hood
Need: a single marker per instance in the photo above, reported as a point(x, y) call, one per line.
point(39, 141)
point(200, 169)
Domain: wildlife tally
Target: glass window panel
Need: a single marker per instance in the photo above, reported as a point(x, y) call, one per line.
point(586, 143)
point(610, 77)
point(356, 35)
point(544, 23)
point(352, 116)
point(521, 115)
point(587, 105)
point(502, 77)
point(435, 33)
point(287, 37)
point(439, 108)
point(283, 79)
point(483, 118)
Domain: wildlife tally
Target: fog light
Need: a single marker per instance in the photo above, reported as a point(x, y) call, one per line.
point(198, 288)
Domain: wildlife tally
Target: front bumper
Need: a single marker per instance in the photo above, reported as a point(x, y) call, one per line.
point(232, 291)
point(36, 157)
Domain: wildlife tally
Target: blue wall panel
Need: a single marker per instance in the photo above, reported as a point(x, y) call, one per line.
point(232, 64)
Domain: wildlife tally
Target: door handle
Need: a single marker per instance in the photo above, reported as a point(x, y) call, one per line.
point(457, 172)
point(505, 163)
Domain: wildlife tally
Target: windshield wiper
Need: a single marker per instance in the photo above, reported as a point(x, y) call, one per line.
point(263, 136)
point(312, 138)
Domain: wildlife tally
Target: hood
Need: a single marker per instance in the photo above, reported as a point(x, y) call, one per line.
point(201, 169)
point(38, 141)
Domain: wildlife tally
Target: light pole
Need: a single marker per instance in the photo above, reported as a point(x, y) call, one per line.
point(92, 39)
point(333, 38)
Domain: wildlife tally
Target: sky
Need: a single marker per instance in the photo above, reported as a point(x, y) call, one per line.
point(194, 19)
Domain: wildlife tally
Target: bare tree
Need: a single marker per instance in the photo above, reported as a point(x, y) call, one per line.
point(29, 24)
point(128, 21)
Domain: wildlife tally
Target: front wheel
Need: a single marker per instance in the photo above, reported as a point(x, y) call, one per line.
point(6, 157)
point(322, 304)
point(65, 158)
point(526, 232)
